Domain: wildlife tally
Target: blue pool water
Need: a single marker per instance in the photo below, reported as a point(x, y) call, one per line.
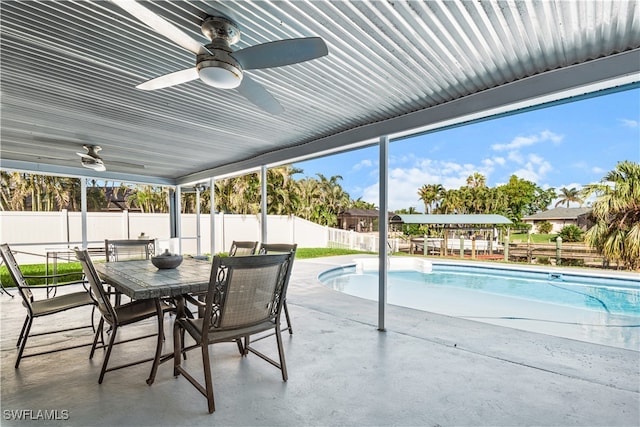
point(590, 307)
point(412, 288)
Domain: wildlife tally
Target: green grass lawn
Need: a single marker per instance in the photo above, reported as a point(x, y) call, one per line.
point(39, 270)
point(306, 253)
point(535, 238)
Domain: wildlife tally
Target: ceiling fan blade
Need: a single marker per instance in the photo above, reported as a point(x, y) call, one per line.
point(280, 53)
point(257, 94)
point(86, 156)
point(170, 79)
point(159, 25)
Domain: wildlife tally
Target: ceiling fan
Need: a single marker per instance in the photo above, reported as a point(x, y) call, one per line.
point(217, 64)
point(91, 160)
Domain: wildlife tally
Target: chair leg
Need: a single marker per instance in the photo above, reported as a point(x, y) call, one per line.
point(114, 331)
point(95, 339)
point(156, 360)
point(23, 342)
point(24, 325)
point(286, 316)
point(207, 377)
point(178, 345)
point(283, 365)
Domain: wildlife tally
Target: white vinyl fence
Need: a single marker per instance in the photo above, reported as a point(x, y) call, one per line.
point(54, 233)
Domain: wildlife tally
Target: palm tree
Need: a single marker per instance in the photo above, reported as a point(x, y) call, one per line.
point(361, 204)
point(430, 194)
point(476, 180)
point(333, 200)
point(568, 195)
point(616, 212)
point(282, 190)
point(309, 194)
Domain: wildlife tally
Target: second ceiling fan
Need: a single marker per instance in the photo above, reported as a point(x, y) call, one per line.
point(218, 65)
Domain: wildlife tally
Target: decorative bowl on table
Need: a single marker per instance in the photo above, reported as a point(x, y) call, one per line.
point(166, 260)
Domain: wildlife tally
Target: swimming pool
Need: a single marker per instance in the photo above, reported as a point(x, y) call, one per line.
point(603, 309)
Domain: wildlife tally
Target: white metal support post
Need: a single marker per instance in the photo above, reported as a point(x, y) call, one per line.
point(212, 215)
point(383, 231)
point(198, 237)
point(263, 193)
point(83, 208)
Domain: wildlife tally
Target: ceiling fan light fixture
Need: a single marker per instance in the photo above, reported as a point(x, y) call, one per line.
point(95, 165)
point(220, 74)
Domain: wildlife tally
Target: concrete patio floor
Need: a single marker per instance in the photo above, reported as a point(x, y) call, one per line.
point(424, 370)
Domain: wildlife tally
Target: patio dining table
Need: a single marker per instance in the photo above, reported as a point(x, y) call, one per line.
point(142, 280)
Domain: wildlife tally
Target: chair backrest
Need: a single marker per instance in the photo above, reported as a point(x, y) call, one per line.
point(16, 275)
point(272, 248)
point(246, 291)
point(127, 250)
point(97, 290)
point(243, 248)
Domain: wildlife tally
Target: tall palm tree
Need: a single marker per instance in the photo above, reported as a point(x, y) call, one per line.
point(283, 196)
point(476, 180)
point(616, 211)
point(431, 195)
point(568, 195)
point(309, 195)
point(361, 204)
point(333, 200)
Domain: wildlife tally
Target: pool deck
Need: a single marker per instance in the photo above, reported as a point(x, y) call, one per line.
point(426, 369)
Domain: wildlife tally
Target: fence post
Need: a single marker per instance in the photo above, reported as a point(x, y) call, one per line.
point(473, 247)
point(424, 245)
point(505, 245)
point(559, 250)
point(461, 247)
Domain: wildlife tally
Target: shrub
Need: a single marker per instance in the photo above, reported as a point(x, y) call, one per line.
point(571, 233)
point(543, 260)
point(544, 227)
point(570, 262)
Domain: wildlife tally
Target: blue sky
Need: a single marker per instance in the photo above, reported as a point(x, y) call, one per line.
point(567, 145)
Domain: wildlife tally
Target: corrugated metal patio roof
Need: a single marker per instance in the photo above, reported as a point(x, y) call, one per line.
point(69, 71)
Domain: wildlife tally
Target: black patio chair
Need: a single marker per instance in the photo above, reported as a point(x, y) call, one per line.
point(243, 248)
point(45, 306)
point(244, 298)
point(122, 315)
point(271, 248)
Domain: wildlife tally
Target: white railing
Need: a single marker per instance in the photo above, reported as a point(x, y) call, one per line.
point(349, 239)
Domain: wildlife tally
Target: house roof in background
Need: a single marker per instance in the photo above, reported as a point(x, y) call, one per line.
point(360, 213)
point(559, 213)
point(69, 71)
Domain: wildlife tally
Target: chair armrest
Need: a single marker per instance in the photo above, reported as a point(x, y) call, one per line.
point(194, 301)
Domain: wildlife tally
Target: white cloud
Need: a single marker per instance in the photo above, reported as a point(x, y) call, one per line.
point(515, 156)
point(597, 169)
point(404, 183)
point(525, 141)
point(490, 163)
point(366, 163)
point(630, 123)
point(535, 169)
